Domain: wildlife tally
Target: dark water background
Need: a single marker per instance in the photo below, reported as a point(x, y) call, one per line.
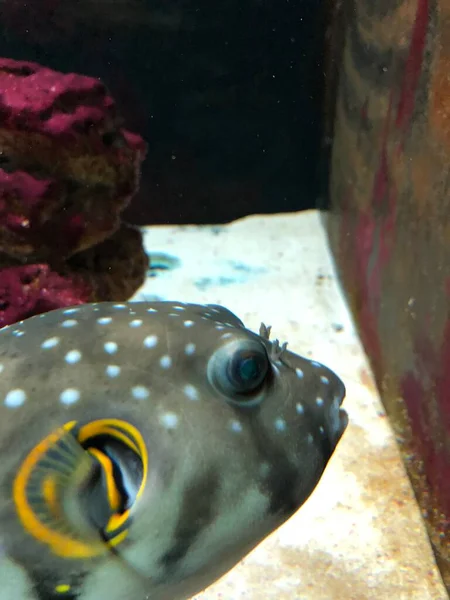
point(228, 95)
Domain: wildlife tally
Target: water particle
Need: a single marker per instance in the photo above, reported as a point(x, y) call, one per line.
point(188, 323)
point(324, 379)
point(72, 357)
point(110, 347)
point(50, 343)
point(150, 341)
point(236, 426)
point(69, 323)
point(15, 398)
point(321, 429)
point(140, 392)
point(169, 420)
point(1, 368)
point(299, 373)
point(319, 401)
point(104, 320)
point(189, 349)
point(165, 361)
point(299, 408)
point(112, 370)
point(136, 323)
point(191, 392)
point(280, 424)
point(309, 438)
point(69, 396)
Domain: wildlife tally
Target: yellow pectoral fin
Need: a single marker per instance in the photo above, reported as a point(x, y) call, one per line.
point(50, 473)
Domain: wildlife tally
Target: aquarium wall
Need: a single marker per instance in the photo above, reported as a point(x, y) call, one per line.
point(389, 226)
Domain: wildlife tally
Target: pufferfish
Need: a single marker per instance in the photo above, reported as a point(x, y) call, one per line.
point(147, 447)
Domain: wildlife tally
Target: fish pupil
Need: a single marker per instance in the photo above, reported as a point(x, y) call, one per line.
point(248, 370)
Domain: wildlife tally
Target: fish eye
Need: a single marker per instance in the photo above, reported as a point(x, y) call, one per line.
point(238, 369)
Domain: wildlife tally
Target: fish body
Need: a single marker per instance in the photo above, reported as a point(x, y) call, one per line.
point(147, 447)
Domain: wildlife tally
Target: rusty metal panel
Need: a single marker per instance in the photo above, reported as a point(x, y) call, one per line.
point(389, 226)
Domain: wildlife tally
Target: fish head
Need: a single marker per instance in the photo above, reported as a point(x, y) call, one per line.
point(246, 435)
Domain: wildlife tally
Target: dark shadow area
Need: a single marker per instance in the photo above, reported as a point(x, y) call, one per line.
point(228, 95)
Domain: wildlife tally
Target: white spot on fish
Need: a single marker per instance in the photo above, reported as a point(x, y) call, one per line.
point(191, 392)
point(151, 310)
point(280, 424)
point(72, 357)
point(50, 343)
point(70, 311)
point(18, 333)
point(1, 368)
point(104, 320)
point(236, 426)
point(150, 341)
point(136, 323)
point(324, 379)
point(178, 308)
point(319, 401)
point(314, 363)
point(165, 362)
point(299, 408)
point(189, 349)
point(321, 429)
point(69, 323)
point(299, 373)
point(15, 398)
point(110, 347)
point(169, 420)
point(188, 323)
point(140, 392)
point(220, 327)
point(309, 438)
point(119, 306)
point(226, 335)
point(112, 370)
point(69, 396)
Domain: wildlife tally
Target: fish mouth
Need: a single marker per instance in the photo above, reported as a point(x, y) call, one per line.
point(343, 419)
point(343, 416)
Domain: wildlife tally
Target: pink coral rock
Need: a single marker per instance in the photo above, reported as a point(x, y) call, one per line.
point(112, 270)
point(28, 290)
point(67, 167)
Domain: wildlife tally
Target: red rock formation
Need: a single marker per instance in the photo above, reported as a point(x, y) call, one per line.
point(67, 167)
point(67, 171)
